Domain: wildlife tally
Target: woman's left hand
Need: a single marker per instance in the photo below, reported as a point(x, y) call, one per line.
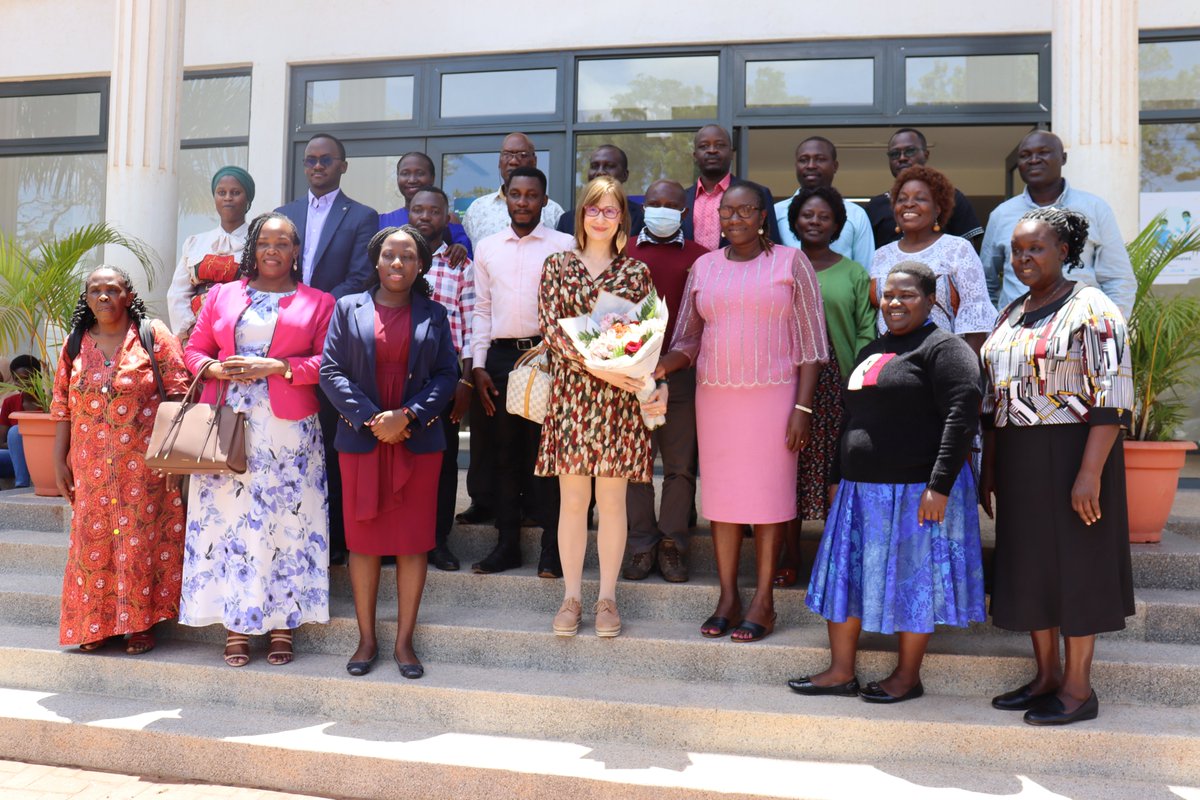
point(243, 369)
point(656, 405)
point(932, 508)
point(390, 427)
point(617, 379)
point(1085, 496)
point(799, 428)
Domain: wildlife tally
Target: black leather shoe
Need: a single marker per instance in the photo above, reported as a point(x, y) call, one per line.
point(671, 563)
point(1019, 699)
point(549, 564)
point(360, 668)
point(502, 558)
point(638, 566)
point(874, 693)
point(806, 686)
point(410, 671)
point(475, 515)
point(1053, 712)
point(443, 559)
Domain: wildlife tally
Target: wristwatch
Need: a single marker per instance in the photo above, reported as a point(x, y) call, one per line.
point(412, 415)
point(287, 375)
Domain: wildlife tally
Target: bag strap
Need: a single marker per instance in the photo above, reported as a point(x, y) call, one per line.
point(146, 335)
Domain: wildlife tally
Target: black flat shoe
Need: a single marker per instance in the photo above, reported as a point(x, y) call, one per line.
point(722, 624)
point(549, 564)
point(1020, 699)
point(410, 671)
point(498, 560)
point(807, 687)
point(443, 559)
point(475, 515)
point(1053, 712)
point(360, 668)
point(874, 693)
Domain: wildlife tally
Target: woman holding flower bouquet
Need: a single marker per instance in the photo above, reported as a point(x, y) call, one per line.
point(752, 323)
point(593, 426)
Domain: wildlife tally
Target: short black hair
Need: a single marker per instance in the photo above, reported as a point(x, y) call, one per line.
point(926, 279)
point(822, 140)
point(624, 156)
point(429, 187)
point(341, 148)
point(528, 172)
point(914, 132)
point(827, 193)
point(25, 362)
point(418, 154)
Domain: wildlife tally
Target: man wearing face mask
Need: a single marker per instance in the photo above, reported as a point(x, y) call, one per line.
point(664, 542)
point(610, 160)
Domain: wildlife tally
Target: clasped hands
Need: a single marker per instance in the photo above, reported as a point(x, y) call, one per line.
point(390, 427)
point(244, 369)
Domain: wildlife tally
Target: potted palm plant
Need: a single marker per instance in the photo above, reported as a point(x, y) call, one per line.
point(1164, 336)
point(40, 287)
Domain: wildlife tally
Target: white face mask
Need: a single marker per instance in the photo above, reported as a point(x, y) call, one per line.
point(663, 222)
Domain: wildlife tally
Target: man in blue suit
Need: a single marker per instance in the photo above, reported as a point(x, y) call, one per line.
point(334, 234)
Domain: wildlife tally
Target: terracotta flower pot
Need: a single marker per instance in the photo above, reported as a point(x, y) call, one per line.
point(37, 432)
point(1151, 478)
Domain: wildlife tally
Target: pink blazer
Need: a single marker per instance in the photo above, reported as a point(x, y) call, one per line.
point(299, 338)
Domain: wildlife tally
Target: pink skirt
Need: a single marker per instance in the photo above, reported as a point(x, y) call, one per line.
point(747, 474)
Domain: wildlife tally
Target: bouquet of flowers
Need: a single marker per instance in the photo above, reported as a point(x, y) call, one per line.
point(622, 336)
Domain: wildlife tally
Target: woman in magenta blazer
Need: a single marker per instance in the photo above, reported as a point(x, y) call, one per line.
point(256, 558)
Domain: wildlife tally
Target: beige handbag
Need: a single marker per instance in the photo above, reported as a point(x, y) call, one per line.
point(192, 438)
point(529, 385)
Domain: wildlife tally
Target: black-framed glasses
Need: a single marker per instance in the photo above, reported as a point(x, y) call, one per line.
point(324, 161)
point(609, 212)
point(516, 155)
point(746, 211)
point(905, 152)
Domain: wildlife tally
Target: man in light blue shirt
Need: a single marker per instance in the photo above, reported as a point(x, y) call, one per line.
point(1105, 261)
point(816, 164)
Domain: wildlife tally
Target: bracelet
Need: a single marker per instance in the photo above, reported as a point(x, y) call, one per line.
point(661, 382)
point(466, 383)
point(805, 409)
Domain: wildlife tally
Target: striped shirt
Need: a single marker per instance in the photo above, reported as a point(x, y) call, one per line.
point(454, 288)
point(1067, 362)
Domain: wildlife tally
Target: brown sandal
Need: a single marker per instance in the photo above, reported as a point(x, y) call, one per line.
point(140, 643)
point(279, 657)
point(237, 640)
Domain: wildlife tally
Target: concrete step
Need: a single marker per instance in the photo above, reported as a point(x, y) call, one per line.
point(159, 693)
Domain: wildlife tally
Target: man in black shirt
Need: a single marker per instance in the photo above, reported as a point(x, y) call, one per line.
point(907, 148)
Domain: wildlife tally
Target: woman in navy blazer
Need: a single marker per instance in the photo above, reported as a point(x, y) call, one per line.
point(389, 368)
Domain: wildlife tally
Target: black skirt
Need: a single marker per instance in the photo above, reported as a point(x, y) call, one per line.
point(1052, 570)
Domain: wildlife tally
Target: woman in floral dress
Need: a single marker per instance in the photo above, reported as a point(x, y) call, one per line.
point(593, 426)
point(126, 547)
point(257, 553)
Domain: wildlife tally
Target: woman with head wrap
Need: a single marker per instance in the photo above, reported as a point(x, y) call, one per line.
point(214, 256)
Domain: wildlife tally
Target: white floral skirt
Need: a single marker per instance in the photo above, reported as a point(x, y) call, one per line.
point(256, 556)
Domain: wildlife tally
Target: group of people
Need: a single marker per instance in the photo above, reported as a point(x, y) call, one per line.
point(822, 362)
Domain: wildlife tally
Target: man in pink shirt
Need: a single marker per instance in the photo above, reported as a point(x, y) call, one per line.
point(508, 272)
point(713, 154)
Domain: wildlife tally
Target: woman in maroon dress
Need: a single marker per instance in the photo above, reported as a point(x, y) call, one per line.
point(389, 368)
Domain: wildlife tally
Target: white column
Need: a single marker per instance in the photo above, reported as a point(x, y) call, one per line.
point(1095, 100)
point(142, 194)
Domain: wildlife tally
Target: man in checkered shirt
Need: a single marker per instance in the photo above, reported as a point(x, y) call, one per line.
point(454, 288)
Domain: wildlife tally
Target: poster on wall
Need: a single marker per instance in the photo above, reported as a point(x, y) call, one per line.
point(1181, 214)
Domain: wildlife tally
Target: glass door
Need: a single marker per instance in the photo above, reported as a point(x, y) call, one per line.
point(371, 172)
point(469, 166)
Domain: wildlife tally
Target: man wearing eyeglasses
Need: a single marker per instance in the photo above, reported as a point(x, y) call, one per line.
point(713, 153)
point(334, 233)
point(489, 214)
point(908, 148)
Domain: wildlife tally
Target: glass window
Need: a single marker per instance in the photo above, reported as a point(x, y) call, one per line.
point(493, 94)
point(196, 207)
point(36, 116)
point(45, 196)
point(652, 156)
point(466, 176)
point(1171, 157)
point(359, 100)
point(953, 80)
point(821, 82)
point(371, 180)
point(638, 89)
point(1169, 75)
point(212, 108)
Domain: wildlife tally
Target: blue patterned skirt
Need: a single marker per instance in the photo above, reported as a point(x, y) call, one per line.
point(878, 564)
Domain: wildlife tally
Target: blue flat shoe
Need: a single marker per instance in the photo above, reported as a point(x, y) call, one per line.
point(360, 668)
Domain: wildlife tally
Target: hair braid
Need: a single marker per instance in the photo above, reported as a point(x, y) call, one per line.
point(424, 254)
point(82, 318)
point(1069, 226)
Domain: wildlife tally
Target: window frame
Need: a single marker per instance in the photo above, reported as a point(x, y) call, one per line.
point(221, 141)
point(1163, 115)
point(49, 145)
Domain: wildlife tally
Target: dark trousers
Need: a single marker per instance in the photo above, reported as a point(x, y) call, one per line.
point(514, 442)
point(447, 479)
point(479, 469)
point(330, 419)
point(675, 441)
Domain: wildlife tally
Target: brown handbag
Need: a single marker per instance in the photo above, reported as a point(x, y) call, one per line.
point(191, 438)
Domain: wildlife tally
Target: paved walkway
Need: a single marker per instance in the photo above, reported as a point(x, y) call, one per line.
point(21, 781)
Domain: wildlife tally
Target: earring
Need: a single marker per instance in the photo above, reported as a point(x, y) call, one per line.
point(936, 227)
point(760, 231)
point(897, 229)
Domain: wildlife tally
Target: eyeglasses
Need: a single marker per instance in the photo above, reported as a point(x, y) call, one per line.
point(516, 155)
point(744, 212)
point(324, 161)
point(907, 152)
point(609, 212)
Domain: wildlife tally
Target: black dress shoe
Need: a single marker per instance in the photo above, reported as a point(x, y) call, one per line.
point(874, 693)
point(475, 515)
point(1020, 699)
point(443, 559)
point(1053, 712)
point(806, 686)
point(549, 564)
point(638, 566)
point(499, 560)
point(360, 668)
point(410, 671)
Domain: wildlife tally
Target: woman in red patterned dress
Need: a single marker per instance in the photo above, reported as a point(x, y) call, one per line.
point(125, 560)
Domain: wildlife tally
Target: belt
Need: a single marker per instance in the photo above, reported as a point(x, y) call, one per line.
point(527, 343)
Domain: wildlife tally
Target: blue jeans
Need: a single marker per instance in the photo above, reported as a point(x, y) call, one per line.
point(12, 460)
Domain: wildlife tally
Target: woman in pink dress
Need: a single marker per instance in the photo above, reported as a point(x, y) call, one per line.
point(753, 325)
